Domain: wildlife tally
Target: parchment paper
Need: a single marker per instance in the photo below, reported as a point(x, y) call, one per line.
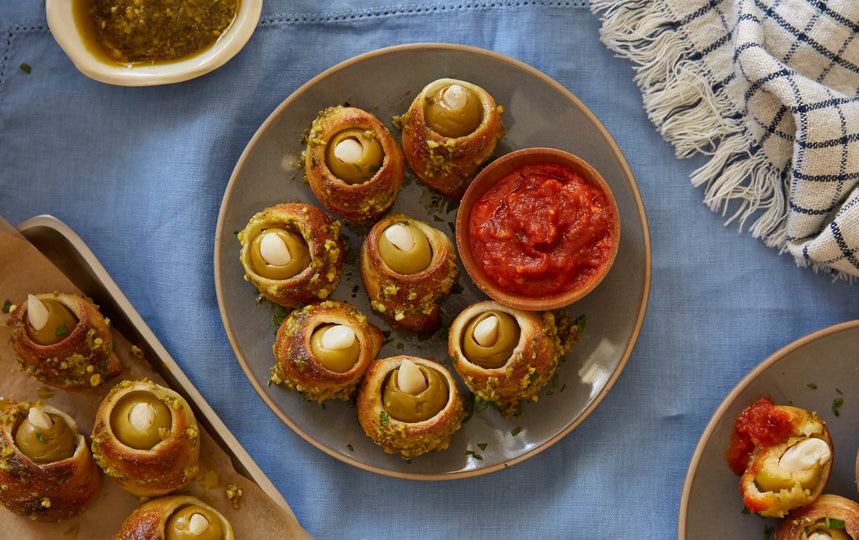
point(23, 270)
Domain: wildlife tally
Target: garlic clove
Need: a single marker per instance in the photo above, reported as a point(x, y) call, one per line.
point(274, 250)
point(142, 416)
point(400, 237)
point(37, 313)
point(410, 379)
point(455, 97)
point(39, 418)
point(338, 337)
point(349, 151)
point(486, 331)
point(805, 454)
point(198, 524)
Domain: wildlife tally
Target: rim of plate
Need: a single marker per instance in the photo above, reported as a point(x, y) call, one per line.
point(729, 400)
point(639, 320)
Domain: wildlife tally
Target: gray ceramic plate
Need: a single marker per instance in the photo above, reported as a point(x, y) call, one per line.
point(810, 373)
point(538, 112)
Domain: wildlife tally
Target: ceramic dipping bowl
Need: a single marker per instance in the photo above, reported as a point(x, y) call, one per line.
point(66, 22)
point(536, 237)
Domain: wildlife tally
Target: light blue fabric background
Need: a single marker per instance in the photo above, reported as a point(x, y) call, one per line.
point(139, 175)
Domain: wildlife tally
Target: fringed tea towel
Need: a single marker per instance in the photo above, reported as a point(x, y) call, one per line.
point(768, 90)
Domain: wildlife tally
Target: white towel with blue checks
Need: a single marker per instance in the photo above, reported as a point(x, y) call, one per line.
point(768, 90)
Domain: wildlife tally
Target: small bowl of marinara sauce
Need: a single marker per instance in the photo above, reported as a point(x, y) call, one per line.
point(538, 229)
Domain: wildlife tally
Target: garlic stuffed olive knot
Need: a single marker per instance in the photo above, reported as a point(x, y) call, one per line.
point(352, 164)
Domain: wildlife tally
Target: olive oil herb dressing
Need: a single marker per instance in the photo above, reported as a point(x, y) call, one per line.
point(152, 31)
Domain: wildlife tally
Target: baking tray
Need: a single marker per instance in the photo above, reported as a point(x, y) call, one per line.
point(63, 247)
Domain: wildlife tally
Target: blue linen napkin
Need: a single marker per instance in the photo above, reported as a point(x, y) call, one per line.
point(767, 89)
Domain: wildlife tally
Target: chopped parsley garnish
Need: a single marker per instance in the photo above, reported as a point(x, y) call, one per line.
point(473, 454)
point(280, 313)
point(515, 431)
point(7, 305)
point(349, 447)
point(61, 330)
point(40, 437)
point(25, 67)
point(581, 322)
point(383, 418)
point(812, 386)
point(482, 445)
point(836, 404)
point(832, 523)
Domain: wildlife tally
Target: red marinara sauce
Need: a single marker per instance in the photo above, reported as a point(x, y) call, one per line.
point(541, 230)
point(761, 423)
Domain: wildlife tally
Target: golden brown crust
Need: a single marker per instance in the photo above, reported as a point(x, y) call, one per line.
point(542, 341)
point(409, 439)
point(169, 465)
point(149, 520)
point(322, 234)
point(47, 492)
point(83, 359)
point(800, 522)
point(410, 301)
point(296, 367)
point(444, 163)
point(804, 425)
point(360, 203)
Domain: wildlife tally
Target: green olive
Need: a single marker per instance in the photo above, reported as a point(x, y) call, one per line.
point(194, 522)
point(279, 254)
point(335, 347)
point(139, 418)
point(407, 407)
point(453, 110)
point(405, 248)
point(497, 337)
point(773, 477)
point(44, 437)
point(61, 321)
point(354, 155)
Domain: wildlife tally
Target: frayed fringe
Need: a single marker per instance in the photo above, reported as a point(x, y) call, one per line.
point(679, 99)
